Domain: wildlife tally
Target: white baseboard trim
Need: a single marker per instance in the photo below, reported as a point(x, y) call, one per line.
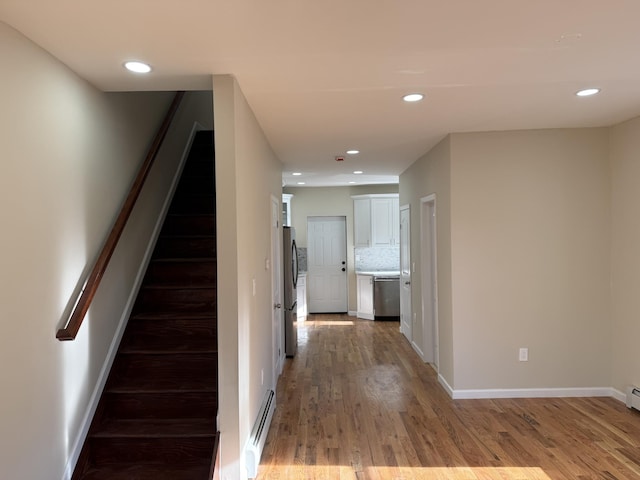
point(529, 392)
point(74, 454)
point(532, 393)
point(365, 316)
point(618, 395)
point(417, 349)
point(352, 313)
point(443, 382)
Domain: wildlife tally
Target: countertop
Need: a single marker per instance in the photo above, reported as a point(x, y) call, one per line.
point(380, 273)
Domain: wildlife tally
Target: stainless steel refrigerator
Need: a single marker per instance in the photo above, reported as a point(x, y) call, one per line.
point(290, 276)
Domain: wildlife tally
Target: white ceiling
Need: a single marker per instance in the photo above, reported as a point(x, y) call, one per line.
point(328, 75)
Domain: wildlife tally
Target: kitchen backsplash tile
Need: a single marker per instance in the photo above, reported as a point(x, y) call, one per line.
point(302, 259)
point(378, 258)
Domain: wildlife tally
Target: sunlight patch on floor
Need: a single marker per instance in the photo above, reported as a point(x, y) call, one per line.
point(332, 472)
point(322, 323)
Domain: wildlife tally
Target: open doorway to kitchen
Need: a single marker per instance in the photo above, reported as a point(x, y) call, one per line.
point(428, 255)
point(327, 264)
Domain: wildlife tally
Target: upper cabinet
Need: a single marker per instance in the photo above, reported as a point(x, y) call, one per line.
point(385, 226)
point(362, 222)
point(286, 209)
point(376, 220)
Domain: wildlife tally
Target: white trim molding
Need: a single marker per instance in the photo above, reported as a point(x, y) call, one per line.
point(570, 392)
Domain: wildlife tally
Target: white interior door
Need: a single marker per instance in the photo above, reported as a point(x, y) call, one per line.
point(428, 255)
point(276, 283)
point(406, 313)
point(327, 264)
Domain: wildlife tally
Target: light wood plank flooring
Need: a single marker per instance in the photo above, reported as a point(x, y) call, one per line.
point(357, 403)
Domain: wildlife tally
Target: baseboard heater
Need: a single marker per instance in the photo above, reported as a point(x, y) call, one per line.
point(633, 397)
point(258, 437)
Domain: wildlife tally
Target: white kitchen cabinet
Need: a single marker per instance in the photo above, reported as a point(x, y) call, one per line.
point(365, 297)
point(385, 226)
point(286, 209)
point(362, 222)
point(376, 220)
point(302, 297)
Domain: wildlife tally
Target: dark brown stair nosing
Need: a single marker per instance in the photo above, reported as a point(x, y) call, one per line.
point(149, 390)
point(179, 316)
point(184, 259)
point(176, 315)
point(147, 472)
point(156, 428)
point(166, 351)
point(182, 286)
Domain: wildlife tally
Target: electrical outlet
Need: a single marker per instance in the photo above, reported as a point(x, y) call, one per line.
point(524, 355)
point(262, 377)
point(415, 318)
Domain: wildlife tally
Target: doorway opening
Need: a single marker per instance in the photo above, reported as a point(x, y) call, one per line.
point(276, 292)
point(406, 315)
point(428, 256)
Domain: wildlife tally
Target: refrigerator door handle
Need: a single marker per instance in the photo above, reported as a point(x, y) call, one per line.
point(294, 263)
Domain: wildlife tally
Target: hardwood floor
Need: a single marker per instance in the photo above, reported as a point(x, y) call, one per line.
point(357, 403)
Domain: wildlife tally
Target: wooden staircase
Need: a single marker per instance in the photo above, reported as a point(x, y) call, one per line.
point(156, 418)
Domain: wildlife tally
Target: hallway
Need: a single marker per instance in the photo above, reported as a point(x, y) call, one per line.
point(357, 403)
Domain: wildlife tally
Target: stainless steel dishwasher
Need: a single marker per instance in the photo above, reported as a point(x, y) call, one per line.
point(386, 297)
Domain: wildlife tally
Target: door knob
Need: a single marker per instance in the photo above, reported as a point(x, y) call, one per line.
point(407, 283)
point(277, 305)
point(344, 269)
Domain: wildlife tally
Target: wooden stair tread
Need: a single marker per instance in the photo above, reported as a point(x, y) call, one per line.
point(157, 414)
point(185, 260)
point(169, 335)
point(168, 351)
point(178, 215)
point(160, 405)
point(187, 235)
point(145, 390)
point(176, 315)
point(143, 428)
point(148, 472)
point(170, 286)
point(186, 316)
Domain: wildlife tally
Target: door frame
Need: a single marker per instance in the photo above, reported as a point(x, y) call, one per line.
point(429, 279)
point(343, 219)
point(277, 319)
point(408, 330)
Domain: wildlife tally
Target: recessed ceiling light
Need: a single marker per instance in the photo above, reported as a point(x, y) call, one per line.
point(358, 172)
point(137, 67)
point(353, 152)
point(587, 92)
point(352, 182)
point(296, 174)
point(301, 183)
point(413, 97)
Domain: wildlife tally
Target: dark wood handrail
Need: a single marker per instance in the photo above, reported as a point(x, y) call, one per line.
point(90, 287)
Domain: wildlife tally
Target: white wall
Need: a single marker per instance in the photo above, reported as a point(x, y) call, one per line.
point(331, 201)
point(523, 257)
point(625, 253)
point(69, 154)
point(530, 258)
point(431, 175)
point(247, 174)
